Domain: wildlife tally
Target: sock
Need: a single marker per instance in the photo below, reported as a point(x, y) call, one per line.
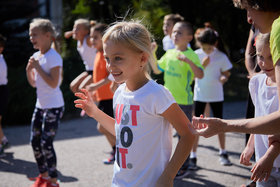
point(222, 151)
point(193, 155)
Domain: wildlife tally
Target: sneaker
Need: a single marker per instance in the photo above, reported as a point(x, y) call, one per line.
point(2, 154)
point(182, 173)
point(110, 160)
point(224, 160)
point(6, 145)
point(192, 164)
point(39, 181)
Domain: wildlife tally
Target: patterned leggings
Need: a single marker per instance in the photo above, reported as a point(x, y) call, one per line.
point(44, 126)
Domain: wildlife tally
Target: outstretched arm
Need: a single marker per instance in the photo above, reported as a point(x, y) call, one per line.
point(95, 86)
point(181, 123)
point(208, 127)
point(87, 104)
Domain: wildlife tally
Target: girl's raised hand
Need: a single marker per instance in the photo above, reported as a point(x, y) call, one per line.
point(85, 102)
point(246, 156)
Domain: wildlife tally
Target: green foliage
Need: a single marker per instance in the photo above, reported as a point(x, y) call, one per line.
point(81, 8)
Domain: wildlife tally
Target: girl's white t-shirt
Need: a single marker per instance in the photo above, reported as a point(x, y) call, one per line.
point(265, 99)
point(209, 88)
point(143, 137)
point(3, 71)
point(87, 53)
point(48, 97)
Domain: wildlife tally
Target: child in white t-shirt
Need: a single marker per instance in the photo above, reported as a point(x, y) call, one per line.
point(143, 110)
point(80, 32)
point(209, 89)
point(44, 72)
point(263, 91)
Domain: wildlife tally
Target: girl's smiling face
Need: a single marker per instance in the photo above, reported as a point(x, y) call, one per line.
point(38, 38)
point(264, 59)
point(124, 63)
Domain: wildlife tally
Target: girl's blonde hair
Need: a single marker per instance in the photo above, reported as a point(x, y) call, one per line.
point(46, 25)
point(263, 38)
point(85, 22)
point(132, 34)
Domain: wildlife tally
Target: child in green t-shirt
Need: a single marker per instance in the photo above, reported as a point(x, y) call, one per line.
point(180, 65)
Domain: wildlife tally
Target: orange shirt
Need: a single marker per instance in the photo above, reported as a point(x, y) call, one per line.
point(100, 72)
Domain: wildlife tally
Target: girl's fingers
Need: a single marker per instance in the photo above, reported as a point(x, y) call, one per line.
point(85, 92)
point(80, 95)
point(79, 106)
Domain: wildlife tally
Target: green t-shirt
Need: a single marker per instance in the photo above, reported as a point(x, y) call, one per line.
point(178, 75)
point(275, 41)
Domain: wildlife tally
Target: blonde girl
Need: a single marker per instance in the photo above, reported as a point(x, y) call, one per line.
point(144, 112)
point(44, 70)
point(80, 32)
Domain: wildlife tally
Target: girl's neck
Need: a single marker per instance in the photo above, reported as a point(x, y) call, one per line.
point(182, 48)
point(135, 84)
point(44, 50)
point(82, 40)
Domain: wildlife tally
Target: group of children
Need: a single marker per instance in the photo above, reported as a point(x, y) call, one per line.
point(137, 119)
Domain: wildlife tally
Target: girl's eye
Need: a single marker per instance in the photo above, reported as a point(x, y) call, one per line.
point(117, 58)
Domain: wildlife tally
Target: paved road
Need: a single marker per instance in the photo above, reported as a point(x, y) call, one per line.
point(81, 149)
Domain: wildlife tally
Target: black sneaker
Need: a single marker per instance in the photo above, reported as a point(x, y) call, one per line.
point(192, 164)
point(224, 160)
point(182, 173)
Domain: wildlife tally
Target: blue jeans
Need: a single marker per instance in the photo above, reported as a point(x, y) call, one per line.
point(44, 126)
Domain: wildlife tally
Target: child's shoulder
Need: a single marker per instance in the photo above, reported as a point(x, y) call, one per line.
point(257, 78)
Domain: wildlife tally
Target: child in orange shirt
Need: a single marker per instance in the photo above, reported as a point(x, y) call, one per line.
point(101, 85)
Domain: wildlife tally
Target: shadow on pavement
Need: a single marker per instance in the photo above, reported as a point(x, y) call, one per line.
point(201, 181)
point(12, 165)
point(76, 128)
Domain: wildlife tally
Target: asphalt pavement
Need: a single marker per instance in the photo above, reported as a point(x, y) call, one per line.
point(80, 150)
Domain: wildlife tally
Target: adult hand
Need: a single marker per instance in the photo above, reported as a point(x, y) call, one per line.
point(208, 127)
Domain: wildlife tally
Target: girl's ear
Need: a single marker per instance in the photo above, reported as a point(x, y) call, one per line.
point(144, 58)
